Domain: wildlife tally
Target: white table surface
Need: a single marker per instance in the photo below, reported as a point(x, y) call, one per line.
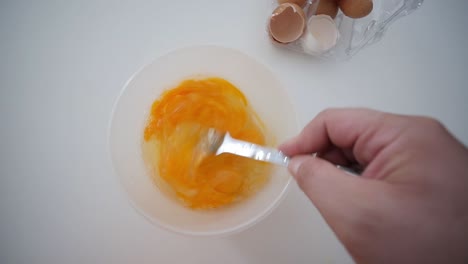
point(62, 64)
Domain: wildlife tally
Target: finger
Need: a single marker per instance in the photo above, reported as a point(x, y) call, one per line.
point(339, 127)
point(335, 156)
point(364, 131)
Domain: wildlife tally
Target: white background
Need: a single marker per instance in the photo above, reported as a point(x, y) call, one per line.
point(63, 63)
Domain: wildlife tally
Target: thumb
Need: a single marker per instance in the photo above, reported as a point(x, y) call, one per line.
point(339, 196)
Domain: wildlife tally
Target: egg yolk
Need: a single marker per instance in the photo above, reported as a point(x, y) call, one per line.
point(176, 124)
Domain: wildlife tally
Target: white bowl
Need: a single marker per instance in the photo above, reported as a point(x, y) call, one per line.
point(264, 92)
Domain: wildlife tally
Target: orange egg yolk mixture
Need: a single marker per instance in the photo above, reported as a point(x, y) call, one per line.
point(176, 124)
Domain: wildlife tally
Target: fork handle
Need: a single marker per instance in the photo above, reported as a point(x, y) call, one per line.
point(253, 151)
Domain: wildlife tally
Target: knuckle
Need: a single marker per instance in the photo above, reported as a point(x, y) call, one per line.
point(430, 123)
point(327, 112)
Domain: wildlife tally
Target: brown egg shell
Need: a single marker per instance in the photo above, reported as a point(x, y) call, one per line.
point(327, 7)
point(287, 23)
point(356, 8)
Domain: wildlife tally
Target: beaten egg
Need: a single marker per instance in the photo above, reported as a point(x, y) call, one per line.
point(177, 122)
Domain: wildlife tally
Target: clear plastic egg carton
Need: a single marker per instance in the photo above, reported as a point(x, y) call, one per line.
point(354, 34)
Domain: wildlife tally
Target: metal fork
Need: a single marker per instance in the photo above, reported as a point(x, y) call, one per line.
point(220, 142)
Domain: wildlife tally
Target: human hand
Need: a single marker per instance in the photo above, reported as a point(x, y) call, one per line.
point(410, 204)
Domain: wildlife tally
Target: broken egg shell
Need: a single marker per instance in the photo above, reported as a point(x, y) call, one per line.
point(287, 23)
point(321, 35)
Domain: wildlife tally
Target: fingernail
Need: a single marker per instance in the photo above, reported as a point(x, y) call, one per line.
point(296, 163)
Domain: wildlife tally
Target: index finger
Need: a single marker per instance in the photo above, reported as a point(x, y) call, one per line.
point(364, 131)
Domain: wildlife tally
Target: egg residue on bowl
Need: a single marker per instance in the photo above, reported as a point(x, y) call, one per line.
point(175, 125)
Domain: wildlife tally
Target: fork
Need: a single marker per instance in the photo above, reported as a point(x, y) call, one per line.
point(218, 142)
